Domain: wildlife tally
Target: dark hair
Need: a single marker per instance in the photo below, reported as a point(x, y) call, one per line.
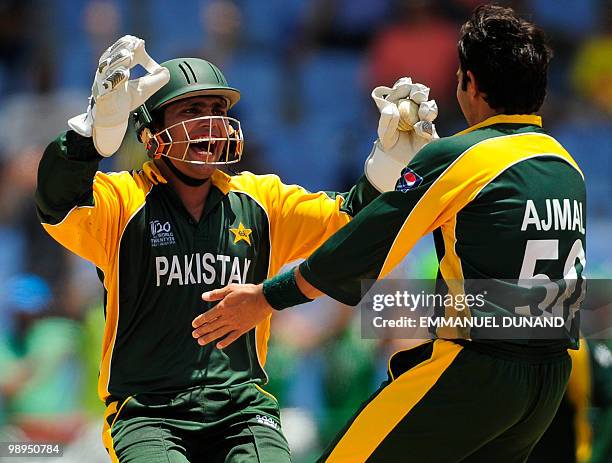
point(509, 58)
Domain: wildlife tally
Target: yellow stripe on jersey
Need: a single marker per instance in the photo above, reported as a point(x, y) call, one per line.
point(133, 195)
point(392, 404)
point(262, 336)
point(450, 267)
point(460, 183)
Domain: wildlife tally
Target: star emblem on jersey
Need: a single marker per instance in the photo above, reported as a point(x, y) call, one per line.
point(408, 180)
point(242, 233)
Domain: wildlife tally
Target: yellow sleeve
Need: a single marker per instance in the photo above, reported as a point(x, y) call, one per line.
point(301, 222)
point(94, 231)
point(83, 209)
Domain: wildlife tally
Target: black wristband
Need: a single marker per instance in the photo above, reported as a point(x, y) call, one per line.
point(282, 291)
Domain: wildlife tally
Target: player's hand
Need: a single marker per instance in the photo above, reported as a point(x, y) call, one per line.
point(241, 308)
point(114, 96)
point(404, 127)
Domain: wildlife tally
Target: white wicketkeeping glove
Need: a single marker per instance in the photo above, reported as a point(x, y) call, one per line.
point(114, 96)
point(404, 127)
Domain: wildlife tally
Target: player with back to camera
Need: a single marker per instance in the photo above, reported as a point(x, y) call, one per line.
point(505, 203)
point(161, 235)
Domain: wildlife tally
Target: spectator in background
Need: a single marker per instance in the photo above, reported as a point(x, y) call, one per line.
point(407, 47)
point(343, 23)
point(38, 254)
point(24, 246)
point(592, 69)
point(12, 242)
point(15, 43)
point(222, 23)
point(40, 380)
point(102, 22)
point(29, 118)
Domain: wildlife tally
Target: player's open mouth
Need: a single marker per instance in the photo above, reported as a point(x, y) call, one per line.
point(204, 147)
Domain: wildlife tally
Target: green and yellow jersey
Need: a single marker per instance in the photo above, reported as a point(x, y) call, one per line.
point(155, 260)
point(506, 204)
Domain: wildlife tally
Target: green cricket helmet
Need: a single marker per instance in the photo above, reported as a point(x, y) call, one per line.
point(191, 77)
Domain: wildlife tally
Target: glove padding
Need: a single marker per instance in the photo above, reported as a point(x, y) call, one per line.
point(395, 148)
point(114, 96)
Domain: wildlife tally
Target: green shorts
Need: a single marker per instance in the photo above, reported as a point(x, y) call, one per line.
point(231, 425)
point(444, 403)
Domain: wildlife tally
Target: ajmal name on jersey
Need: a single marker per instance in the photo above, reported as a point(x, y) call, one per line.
point(561, 214)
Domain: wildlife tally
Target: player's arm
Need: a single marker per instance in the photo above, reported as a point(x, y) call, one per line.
point(70, 210)
point(80, 208)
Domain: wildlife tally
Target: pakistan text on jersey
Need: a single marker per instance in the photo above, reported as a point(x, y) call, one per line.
point(200, 268)
point(561, 214)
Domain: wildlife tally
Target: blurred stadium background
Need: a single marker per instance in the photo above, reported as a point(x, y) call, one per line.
point(305, 69)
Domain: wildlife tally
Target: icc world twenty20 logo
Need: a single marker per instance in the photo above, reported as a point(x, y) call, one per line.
point(161, 233)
